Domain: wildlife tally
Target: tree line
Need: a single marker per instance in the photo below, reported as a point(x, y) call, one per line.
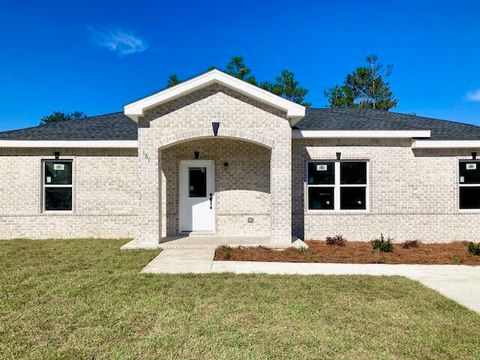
point(366, 87)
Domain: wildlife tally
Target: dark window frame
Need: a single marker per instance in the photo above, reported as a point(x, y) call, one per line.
point(46, 185)
point(337, 185)
point(462, 185)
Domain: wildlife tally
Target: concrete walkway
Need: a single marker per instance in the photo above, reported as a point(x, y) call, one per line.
point(460, 283)
point(182, 261)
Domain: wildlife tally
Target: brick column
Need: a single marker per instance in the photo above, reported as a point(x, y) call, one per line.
point(281, 190)
point(148, 231)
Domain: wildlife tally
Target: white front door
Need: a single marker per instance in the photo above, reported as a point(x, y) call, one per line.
point(197, 190)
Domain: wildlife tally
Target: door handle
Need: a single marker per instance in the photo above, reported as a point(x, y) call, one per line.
point(210, 201)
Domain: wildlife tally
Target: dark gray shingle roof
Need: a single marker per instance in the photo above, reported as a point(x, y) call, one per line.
point(114, 126)
point(117, 126)
point(367, 119)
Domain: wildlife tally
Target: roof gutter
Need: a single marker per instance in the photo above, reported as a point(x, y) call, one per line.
point(64, 144)
point(360, 134)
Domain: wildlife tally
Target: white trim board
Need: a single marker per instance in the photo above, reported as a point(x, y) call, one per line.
point(137, 109)
point(358, 134)
point(446, 144)
point(93, 144)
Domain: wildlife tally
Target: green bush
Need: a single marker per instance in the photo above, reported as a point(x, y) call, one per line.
point(382, 244)
point(474, 248)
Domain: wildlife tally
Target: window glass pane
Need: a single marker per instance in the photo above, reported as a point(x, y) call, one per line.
point(469, 197)
point(197, 184)
point(58, 173)
point(353, 172)
point(321, 173)
point(353, 198)
point(469, 172)
point(320, 198)
point(59, 198)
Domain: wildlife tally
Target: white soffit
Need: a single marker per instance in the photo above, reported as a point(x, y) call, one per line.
point(93, 144)
point(445, 144)
point(294, 111)
point(358, 134)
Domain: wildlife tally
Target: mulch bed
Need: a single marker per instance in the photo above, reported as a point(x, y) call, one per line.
point(355, 253)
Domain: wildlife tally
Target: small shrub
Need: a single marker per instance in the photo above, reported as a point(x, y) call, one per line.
point(410, 244)
point(227, 252)
point(302, 251)
point(474, 248)
point(457, 260)
point(382, 244)
point(336, 240)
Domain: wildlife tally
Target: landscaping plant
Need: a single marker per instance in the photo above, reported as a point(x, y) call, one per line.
point(382, 244)
point(474, 248)
point(336, 240)
point(410, 244)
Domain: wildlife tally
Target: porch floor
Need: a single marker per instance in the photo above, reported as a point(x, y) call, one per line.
point(209, 242)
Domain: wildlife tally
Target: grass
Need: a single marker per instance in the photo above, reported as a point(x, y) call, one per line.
point(86, 299)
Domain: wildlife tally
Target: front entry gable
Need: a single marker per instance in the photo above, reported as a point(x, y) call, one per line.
point(294, 112)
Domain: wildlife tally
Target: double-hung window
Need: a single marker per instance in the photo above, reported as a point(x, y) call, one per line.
point(57, 185)
point(469, 184)
point(337, 185)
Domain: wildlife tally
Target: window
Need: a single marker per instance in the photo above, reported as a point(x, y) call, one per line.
point(469, 185)
point(197, 182)
point(339, 185)
point(57, 185)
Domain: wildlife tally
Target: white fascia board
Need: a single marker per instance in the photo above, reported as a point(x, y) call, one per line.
point(90, 144)
point(358, 134)
point(446, 144)
point(136, 109)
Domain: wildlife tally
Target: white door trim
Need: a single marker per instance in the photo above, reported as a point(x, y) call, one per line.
point(183, 196)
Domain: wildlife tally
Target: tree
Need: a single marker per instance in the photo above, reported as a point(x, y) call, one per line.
point(284, 85)
point(237, 68)
point(173, 80)
point(58, 116)
point(365, 88)
point(287, 87)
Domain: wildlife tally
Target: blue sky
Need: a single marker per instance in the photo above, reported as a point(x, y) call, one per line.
point(96, 56)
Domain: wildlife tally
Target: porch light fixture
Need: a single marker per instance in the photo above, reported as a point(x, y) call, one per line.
point(196, 154)
point(57, 155)
point(474, 155)
point(225, 165)
point(215, 126)
point(339, 155)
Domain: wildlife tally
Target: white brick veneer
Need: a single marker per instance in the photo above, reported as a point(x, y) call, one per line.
point(191, 117)
point(413, 193)
point(105, 195)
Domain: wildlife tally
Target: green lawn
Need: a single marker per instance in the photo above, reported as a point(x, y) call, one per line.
point(86, 299)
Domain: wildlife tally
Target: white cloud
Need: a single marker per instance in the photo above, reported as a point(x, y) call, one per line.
point(117, 40)
point(473, 95)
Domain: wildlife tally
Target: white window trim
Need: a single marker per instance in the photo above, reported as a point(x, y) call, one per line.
point(460, 185)
point(44, 186)
point(337, 186)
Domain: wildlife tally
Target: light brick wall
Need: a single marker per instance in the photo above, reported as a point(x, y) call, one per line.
point(413, 195)
point(105, 194)
point(242, 190)
point(191, 117)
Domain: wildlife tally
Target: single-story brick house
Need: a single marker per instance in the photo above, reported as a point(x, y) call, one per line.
point(216, 155)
